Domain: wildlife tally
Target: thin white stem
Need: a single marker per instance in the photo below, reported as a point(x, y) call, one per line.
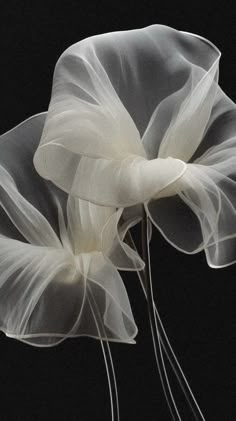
point(153, 324)
point(111, 376)
point(170, 352)
point(177, 368)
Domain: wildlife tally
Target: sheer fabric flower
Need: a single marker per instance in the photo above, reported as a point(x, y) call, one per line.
point(138, 117)
point(58, 255)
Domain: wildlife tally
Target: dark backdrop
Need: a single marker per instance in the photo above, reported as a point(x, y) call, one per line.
point(197, 304)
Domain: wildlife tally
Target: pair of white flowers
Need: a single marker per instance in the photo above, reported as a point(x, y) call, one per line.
point(136, 118)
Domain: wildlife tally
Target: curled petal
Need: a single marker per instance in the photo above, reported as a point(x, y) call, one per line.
point(210, 195)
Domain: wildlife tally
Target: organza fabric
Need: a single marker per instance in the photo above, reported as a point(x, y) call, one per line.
point(58, 255)
point(138, 117)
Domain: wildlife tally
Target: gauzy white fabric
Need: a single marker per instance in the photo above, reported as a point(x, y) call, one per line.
point(138, 117)
point(58, 255)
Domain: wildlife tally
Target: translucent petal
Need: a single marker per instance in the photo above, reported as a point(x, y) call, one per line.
point(106, 92)
point(210, 195)
point(44, 297)
point(17, 147)
point(32, 296)
point(28, 220)
point(185, 133)
point(55, 286)
point(128, 111)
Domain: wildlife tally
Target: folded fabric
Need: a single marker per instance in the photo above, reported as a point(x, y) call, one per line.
point(59, 255)
point(138, 117)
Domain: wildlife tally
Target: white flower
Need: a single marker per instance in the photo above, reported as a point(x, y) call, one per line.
point(138, 117)
point(58, 255)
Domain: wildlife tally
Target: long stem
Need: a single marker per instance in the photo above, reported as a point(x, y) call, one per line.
point(169, 350)
point(111, 376)
point(153, 323)
point(176, 365)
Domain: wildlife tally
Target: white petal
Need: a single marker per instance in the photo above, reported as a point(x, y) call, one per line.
point(186, 129)
point(17, 147)
point(105, 93)
point(38, 302)
point(210, 195)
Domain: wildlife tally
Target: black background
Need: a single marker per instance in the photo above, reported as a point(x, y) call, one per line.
point(197, 304)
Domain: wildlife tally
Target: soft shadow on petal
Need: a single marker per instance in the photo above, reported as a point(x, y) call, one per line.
point(177, 223)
